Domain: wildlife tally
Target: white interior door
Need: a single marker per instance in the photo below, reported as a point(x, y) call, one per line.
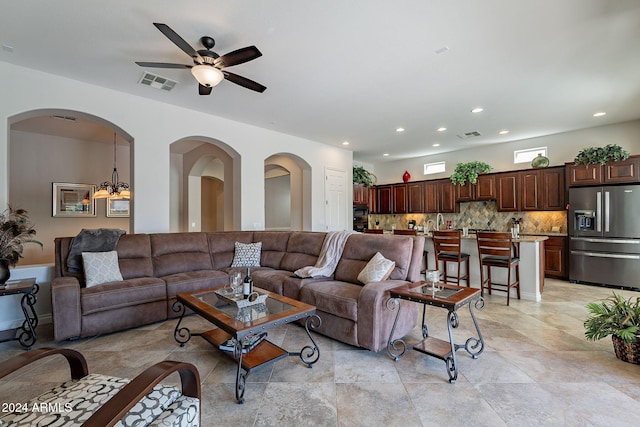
point(335, 199)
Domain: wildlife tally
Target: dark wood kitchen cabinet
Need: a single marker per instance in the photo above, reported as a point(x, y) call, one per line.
point(621, 172)
point(384, 203)
point(447, 197)
point(554, 193)
point(508, 191)
point(415, 197)
point(579, 175)
point(485, 188)
point(531, 189)
point(399, 198)
point(373, 200)
point(555, 257)
point(360, 195)
point(430, 196)
point(465, 193)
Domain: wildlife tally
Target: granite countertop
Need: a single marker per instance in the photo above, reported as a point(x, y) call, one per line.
point(523, 237)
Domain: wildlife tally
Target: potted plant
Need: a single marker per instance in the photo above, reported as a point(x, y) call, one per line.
point(363, 176)
point(469, 172)
point(619, 318)
point(601, 155)
point(15, 230)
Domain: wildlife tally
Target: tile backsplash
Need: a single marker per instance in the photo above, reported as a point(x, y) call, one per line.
point(480, 215)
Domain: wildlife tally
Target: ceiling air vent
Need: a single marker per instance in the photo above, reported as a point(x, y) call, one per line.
point(156, 81)
point(468, 135)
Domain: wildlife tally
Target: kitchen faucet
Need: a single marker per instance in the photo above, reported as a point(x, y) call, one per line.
point(439, 221)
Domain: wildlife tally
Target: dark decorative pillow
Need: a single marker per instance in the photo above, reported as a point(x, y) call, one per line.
point(247, 255)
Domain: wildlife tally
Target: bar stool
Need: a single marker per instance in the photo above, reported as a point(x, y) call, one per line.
point(447, 247)
point(415, 233)
point(374, 231)
point(495, 250)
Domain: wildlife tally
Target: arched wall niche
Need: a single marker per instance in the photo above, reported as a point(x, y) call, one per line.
point(300, 187)
point(61, 145)
point(193, 159)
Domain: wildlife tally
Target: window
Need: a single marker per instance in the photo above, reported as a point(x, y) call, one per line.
point(525, 156)
point(436, 167)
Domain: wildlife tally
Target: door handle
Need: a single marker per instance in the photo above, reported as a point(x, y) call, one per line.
point(617, 241)
point(606, 211)
point(599, 211)
point(605, 255)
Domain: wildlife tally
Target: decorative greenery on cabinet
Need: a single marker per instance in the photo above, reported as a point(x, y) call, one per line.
point(469, 172)
point(363, 176)
point(601, 155)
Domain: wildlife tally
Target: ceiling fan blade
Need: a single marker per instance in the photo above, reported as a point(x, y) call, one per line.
point(162, 65)
point(244, 82)
point(204, 90)
point(236, 57)
point(177, 40)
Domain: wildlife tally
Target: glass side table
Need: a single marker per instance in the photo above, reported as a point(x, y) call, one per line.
point(28, 288)
point(449, 297)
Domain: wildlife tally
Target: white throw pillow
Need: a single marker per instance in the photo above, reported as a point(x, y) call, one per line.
point(377, 269)
point(247, 255)
point(101, 267)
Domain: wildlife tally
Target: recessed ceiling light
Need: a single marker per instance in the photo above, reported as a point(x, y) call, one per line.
point(442, 129)
point(477, 110)
point(600, 114)
point(345, 143)
point(399, 129)
point(386, 154)
point(443, 49)
point(435, 145)
point(503, 132)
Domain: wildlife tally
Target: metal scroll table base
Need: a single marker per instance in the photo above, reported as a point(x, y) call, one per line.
point(435, 347)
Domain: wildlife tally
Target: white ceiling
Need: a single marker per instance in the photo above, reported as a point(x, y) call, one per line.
point(354, 71)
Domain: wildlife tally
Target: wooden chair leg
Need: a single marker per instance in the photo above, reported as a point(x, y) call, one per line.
point(518, 279)
point(508, 284)
point(489, 278)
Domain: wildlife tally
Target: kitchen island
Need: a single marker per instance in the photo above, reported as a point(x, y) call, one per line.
point(530, 250)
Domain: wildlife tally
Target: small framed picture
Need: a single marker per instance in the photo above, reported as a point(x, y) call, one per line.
point(118, 208)
point(73, 200)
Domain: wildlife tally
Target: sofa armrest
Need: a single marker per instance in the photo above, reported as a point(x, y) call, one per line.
point(375, 320)
point(77, 362)
point(118, 406)
point(65, 308)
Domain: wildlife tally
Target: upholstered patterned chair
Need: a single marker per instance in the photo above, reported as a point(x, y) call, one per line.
point(100, 400)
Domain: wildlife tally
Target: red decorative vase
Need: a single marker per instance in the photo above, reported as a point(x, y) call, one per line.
point(406, 176)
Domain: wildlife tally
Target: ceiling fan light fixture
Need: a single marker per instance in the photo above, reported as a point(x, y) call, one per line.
point(207, 75)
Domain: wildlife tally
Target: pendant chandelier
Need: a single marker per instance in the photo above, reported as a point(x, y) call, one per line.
point(113, 189)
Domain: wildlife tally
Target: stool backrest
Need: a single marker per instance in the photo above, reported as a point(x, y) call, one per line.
point(494, 244)
point(406, 232)
point(373, 230)
point(446, 241)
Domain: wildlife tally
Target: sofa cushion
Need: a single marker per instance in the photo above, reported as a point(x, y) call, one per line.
point(222, 246)
point(360, 248)
point(247, 254)
point(130, 292)
point(303, 249)
point(332, 296)
point(194, 281)
point(377, 269)
point(269, 279)
point(101, 267)
point(134, 256)
point(179, 252)
point(274, 246)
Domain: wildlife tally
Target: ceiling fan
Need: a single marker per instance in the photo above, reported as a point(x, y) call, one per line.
point(208, 65)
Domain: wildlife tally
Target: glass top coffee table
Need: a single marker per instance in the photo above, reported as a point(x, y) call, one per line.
point(232, 320)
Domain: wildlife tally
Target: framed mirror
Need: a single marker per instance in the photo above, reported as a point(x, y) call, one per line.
point(73, 200)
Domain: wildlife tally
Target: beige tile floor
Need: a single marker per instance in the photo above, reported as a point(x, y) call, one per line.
point(537, 369)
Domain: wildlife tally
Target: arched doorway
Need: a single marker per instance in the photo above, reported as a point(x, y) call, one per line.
point(204, 185)
point(63, 146)
point(287, 176)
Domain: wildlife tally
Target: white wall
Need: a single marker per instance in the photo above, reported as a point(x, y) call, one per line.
point(561, 148)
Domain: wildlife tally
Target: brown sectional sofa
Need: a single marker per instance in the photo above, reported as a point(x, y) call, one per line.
point(157, 267)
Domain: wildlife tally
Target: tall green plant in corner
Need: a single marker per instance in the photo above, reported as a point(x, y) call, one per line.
point(363, 176)
point(469, 172)
point(601, 155)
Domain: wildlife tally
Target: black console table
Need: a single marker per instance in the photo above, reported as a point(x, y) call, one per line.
point(28, 288)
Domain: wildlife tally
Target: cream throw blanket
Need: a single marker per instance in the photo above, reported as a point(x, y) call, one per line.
point(330, 254)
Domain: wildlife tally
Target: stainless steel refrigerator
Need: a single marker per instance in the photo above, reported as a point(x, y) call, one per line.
point(604, 235)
